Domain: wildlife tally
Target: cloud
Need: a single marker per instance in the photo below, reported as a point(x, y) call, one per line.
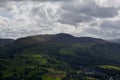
point(38, 0)
point(95, 18)
point(103, 33)
point(74, 18)
point(90, 8)
point(108, 29)
point(110, 24)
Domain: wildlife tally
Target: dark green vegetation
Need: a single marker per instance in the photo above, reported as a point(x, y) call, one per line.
point(5, 41)
point(59, 57)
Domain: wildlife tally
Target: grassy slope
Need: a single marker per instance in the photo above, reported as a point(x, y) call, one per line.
point(52, 60)
point(34, 62)
point(46, 67)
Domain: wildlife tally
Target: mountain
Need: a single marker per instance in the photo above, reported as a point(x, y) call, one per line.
point(4, 42)
point(59, 57)
point(58, 38)
point(79, 50)
point(115, 40)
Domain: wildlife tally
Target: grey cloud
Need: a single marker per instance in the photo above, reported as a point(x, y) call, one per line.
point(3, 3)
point(93, 24)
point(108, 29)
point(111, 24)
point(102, 33)
point(50, 0)
point(37, 0)
point(100, 12)
point(73, 12)
point(44, 17)
point(91, 8)
point(74, 19)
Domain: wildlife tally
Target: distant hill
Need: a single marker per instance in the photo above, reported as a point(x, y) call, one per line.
point(4, 42)
point(74, 50)
point(115, 40)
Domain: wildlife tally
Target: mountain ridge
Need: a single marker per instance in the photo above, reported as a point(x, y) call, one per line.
point(61, 37)
point(82, 50)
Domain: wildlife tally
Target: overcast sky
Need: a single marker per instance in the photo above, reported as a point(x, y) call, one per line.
point(94, 18)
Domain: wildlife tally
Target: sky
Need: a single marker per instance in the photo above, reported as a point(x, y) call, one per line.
point(93, 18)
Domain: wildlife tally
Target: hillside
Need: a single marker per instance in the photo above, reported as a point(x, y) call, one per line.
point(4, 42)
point(84, 50)
point(60, 57)
point(115, 40)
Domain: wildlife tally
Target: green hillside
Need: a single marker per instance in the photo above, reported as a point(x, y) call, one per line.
point(59, 57)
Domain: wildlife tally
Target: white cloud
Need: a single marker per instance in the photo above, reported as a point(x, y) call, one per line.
point(77, 17)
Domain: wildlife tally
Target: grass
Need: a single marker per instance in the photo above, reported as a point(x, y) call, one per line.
point(20, 62)
point(36, 57)
point(90, 78)
point(47, 77)
point(6, 74)
point(67, 52)
point(110, 67)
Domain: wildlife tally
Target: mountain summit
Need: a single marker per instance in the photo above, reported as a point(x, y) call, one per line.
point(61, 37)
